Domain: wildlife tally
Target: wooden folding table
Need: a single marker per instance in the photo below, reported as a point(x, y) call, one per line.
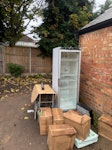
point(37, 94)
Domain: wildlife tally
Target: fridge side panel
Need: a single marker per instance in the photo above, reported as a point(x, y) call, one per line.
point(55, 74)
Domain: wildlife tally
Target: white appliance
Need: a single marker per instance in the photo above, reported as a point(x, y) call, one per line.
point(92, 138)
point(66, 77)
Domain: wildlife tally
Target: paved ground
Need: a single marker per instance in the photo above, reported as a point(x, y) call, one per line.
point(18, 130)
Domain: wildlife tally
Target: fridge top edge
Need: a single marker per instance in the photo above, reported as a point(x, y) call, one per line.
point(67, 48)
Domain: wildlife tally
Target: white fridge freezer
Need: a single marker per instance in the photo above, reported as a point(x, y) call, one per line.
point(66, 77)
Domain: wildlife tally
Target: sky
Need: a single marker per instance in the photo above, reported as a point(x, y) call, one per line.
point(39, 20)
point(99, 2)
point(35, 24)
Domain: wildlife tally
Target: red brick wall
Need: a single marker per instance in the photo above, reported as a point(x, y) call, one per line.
point(96, 70)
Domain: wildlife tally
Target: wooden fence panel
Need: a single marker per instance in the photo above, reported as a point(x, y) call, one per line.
point(41, 64)
point(27, 57)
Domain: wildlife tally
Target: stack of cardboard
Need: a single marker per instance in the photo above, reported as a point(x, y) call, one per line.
point(66, 129)
point(61, 137)
point(105, 126)
point(45, 119)
point(82, 123)
point(57, 116)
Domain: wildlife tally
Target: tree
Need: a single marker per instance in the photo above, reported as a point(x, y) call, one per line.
point(61, 21)
point(14, 13)
point(1, 27)
point(1, 31)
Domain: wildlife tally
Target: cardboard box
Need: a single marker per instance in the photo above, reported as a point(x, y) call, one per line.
point(57, 116)
point(105, 126)
point(45, 119)
point(82, 123)
point(61, 137)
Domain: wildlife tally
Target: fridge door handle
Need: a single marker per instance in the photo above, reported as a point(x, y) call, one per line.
point(59, 82)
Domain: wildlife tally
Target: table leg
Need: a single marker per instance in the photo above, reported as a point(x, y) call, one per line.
point(52, 100)
point(39, 100)
point(35, 110)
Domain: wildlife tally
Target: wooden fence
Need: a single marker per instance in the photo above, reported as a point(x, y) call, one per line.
point(27, 57)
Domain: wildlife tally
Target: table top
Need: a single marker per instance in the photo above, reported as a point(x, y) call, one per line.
point(37, 89)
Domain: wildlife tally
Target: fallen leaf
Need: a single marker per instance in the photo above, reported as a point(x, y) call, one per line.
point(27, 87)
point(6, 96)
point(35, 82)
point(2, 98)
point(25, 104)
point(12, 90)
point(26, 118)
point(17, 90)
point(5, 139)
point(22, 108)
point(6, 91)
point(3, 85)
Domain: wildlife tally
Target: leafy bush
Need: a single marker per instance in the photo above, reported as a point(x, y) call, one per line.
point(95, 120)
point(15, 69)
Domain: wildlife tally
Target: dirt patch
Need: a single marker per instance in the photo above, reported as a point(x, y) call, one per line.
point(19, 133)
point(11, 85)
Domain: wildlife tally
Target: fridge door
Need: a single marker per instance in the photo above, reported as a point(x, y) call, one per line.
point(69, 71)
